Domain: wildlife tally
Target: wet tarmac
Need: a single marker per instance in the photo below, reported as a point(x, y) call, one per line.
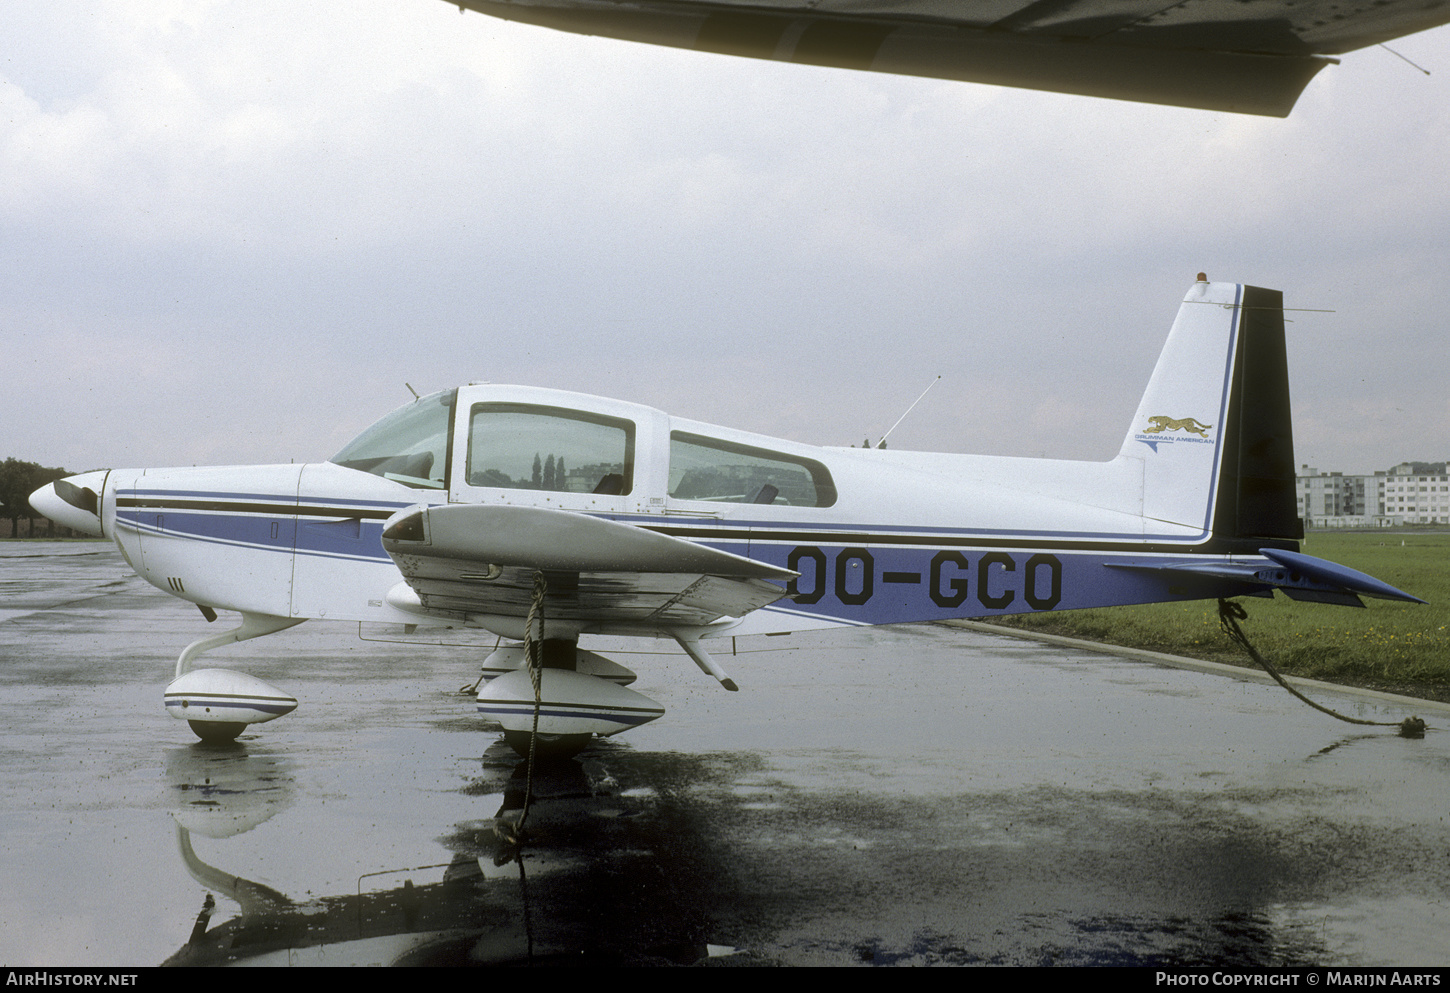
point(892, 796)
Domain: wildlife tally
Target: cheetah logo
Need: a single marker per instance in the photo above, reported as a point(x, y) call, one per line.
point(1189, 424)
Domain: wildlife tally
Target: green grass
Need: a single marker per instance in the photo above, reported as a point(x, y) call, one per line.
point(1392, 645)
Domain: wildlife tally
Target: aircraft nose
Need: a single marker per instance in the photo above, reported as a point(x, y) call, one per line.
point(73, 502)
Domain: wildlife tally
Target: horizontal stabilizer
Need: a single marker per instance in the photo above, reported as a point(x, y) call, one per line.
point(1299, 577)
point(1333, 574)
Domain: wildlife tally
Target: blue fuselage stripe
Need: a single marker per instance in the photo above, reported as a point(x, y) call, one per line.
point(847, 574)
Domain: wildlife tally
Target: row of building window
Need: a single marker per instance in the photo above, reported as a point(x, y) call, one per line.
point(1408, 493)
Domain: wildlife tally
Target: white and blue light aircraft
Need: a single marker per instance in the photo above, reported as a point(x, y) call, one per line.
point(470, 507)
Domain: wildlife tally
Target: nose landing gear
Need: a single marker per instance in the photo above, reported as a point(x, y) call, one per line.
point(218, 704)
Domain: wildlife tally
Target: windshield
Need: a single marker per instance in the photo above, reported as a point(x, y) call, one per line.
point(409, 446)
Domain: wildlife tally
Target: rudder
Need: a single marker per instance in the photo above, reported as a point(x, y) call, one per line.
point(1256, 496)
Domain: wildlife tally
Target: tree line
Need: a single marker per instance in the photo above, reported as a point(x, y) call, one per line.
point(17, 481)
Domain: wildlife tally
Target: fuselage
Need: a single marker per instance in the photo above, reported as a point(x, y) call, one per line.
point(875, 536)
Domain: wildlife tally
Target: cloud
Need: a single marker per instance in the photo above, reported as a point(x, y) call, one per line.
point(258, 219)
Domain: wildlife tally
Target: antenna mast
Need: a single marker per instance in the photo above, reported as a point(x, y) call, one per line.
point(882, 442)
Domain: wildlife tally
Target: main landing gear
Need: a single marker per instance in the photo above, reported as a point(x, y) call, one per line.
point(580, 695)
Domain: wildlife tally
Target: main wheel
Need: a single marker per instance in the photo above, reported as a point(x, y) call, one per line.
point(550, 746)
point(217, 732)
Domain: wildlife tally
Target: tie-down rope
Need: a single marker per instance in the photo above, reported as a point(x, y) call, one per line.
point(533, 658)
point(1230, 613)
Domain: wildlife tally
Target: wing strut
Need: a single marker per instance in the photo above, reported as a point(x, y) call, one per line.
point(702, 659)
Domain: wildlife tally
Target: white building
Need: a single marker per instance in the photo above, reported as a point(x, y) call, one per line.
point(1417, 493)
point(1410, 493)
point(1334, 500)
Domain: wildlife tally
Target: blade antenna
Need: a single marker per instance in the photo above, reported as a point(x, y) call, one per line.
point(882, 442)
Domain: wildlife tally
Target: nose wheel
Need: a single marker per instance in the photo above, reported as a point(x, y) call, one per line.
point(217, 732)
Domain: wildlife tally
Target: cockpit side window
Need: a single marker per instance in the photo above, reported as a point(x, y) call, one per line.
point(526, 447)
point(409, 446)
point(710, 469)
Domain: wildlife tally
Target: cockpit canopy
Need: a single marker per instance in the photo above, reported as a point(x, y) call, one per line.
point(517, 440)
point(409, 446)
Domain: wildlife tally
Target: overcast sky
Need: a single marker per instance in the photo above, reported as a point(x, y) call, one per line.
point(231, 231)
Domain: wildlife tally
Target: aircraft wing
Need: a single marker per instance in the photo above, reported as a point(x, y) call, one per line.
point(473, 560)
point(1246, 56)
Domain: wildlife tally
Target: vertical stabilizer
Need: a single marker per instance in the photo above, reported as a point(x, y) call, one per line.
point(1213, 430)
point(1256, 499)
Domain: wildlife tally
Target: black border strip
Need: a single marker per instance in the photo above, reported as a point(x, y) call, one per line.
point(1215, 545)
point(232, 507)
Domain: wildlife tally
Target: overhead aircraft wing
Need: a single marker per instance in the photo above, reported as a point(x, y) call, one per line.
point(478, 561)
point(1245, 56)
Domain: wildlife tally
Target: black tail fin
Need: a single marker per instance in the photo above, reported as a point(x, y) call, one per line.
point(1256, 495)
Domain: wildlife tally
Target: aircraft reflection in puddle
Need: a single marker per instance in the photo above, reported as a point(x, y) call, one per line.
point(558, 898)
